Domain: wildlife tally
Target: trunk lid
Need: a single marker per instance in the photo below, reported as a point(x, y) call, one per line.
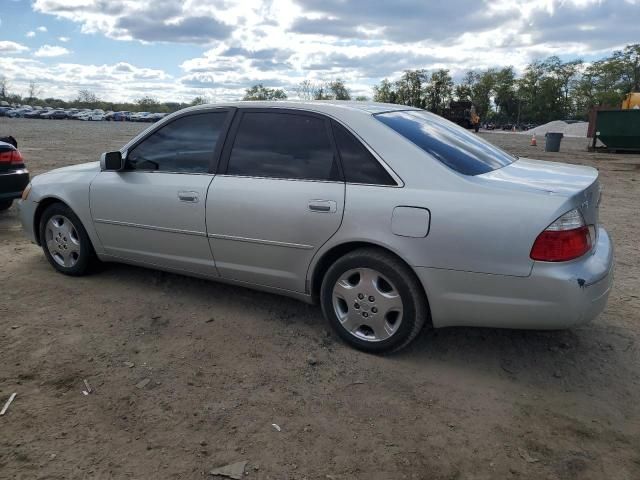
point(578, 183)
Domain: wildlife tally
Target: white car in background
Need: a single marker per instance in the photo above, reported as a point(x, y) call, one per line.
point(91, 116)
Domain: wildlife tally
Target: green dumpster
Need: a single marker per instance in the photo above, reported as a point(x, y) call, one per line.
point(619, 129)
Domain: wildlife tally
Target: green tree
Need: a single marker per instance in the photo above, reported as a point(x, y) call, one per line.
point(322, 92)
point(260, 92)
point(306, 90)
point(481, 85)
point(4, 87)
point(33, 91)
point(438, 91)
point(504, 94)
point(200, 100)
point(462, 92)
point(385, 92)
point(86, 96)
point(606, 81)
point(410, 88)
point(338, 90)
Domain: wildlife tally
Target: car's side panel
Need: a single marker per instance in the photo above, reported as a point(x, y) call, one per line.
point(263, 230)
point(153, 217)
point(477, 230)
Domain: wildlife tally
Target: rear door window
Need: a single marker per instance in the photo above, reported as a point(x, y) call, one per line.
point(359, 165)
point(283, 145)
point(186, 145)
point(451, 144)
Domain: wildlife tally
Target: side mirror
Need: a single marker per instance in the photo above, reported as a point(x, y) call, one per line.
point(111, 161)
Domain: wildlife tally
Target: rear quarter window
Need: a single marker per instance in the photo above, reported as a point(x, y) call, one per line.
point(449, 143)
point(358, 163)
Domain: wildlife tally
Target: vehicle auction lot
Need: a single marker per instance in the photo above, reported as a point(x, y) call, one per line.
point(225, 363)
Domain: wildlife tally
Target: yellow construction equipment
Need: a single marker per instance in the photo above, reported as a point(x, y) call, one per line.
point(631, 101)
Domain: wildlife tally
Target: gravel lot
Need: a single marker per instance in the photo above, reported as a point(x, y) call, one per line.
point(225, 363)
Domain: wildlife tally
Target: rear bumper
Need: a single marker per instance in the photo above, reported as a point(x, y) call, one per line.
point(12, 183)
point(554, 296)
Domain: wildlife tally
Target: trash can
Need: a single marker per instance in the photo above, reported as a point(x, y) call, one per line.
point(552, 141)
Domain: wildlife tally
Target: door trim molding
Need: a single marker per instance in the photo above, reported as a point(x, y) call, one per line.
point(150, 227)
point(261, 241)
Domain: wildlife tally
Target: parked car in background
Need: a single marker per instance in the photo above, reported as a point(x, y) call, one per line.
point(118, 116)
point(4, 109)
point(14, 176)
point(154, 117)
point(361, 207)
point(57, 114)
point(140, 117)
point(91, 116)
point(17, 112)
point(78, 114)
point(35, 113)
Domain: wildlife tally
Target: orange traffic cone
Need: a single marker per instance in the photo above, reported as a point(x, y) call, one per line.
point(533, 141)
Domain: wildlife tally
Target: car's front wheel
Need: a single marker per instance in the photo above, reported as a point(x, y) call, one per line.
point(65, 241)
point(373, 301)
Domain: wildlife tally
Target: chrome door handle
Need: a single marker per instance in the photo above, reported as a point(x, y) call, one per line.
point(323, 206)
point(188, 197)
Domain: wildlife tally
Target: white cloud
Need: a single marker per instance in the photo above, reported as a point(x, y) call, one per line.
point(8, 48)
point(105, 80)
point(64, 39)
point(51, 51)
point(281, 42)
point(42, 29)
point(30, 34)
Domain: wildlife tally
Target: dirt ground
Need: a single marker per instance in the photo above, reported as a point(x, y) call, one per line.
point(225, 363)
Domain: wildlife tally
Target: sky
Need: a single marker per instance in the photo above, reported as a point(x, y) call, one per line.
point(175, 50)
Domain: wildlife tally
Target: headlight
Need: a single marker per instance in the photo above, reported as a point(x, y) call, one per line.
point(26, 191)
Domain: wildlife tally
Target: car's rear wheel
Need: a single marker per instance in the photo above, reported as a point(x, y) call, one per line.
point(373, 301)
point(5, 204)
point(65, 241)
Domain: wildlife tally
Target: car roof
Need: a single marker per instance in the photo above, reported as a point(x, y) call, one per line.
point(324, 106)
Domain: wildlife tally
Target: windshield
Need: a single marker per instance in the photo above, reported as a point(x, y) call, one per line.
point(451, 144)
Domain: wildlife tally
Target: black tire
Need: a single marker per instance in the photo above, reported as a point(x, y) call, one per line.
point(414, 303)
point(86, 256)
point(5, 204)
point(476, 128)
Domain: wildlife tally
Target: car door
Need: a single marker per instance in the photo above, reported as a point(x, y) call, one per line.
point(278, 199)
point(153, 212)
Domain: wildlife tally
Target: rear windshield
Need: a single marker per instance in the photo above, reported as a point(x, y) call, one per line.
point(457, 148)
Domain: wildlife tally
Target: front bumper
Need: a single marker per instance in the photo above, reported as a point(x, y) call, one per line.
point(26, 212)
point(12, 183)
point(553, 296)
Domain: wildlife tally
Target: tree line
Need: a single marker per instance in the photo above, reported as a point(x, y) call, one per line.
point(306, 90)
point(548, 89)
point(88, 99)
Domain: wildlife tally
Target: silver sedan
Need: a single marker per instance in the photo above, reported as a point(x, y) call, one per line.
point(387, 216)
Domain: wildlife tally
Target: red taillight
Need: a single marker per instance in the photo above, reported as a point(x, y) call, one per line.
point(12, 157)
point(561, 245)
point(565, 239)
